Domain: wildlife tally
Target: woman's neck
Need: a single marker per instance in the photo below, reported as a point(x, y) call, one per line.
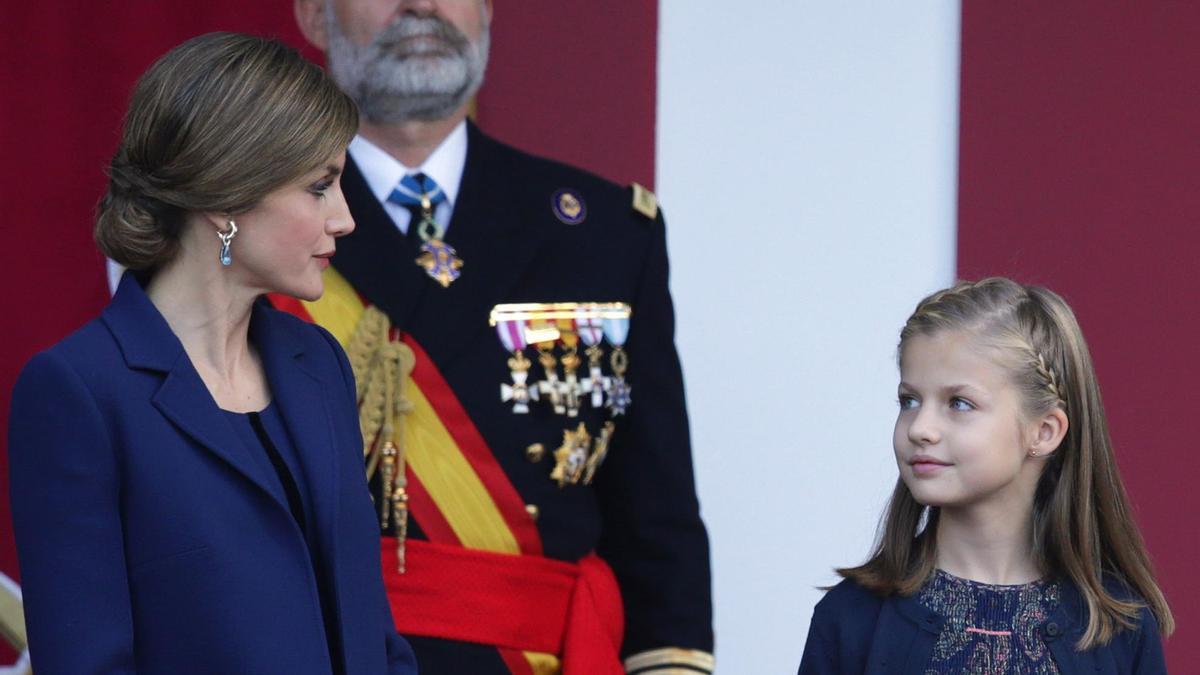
point(209, 311)
point(989, 543)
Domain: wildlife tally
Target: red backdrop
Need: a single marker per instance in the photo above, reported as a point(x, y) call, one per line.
point(1078, 170)
point(571, 79)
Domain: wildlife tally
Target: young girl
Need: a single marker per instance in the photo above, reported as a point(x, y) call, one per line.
point(1009, 544)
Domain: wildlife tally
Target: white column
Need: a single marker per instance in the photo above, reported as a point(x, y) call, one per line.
point(807, 158)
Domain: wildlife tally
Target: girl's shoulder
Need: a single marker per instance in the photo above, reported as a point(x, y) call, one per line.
point(848, 593)
point(848, 606)
point(1135, 649)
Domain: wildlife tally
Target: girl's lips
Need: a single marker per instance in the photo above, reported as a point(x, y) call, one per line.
point(926, 466)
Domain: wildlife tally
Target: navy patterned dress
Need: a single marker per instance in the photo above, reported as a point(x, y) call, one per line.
point(989, 629)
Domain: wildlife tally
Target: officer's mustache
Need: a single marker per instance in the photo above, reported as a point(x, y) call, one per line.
point(397, 38)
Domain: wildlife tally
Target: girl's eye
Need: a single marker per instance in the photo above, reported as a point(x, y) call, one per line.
point(320, 187)
point(960, 404)
point(908, 402)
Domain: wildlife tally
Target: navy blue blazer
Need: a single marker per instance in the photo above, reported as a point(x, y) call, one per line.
point(151, 540)
point(855, 631)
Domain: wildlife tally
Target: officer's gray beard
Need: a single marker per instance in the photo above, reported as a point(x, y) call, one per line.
point(393, 81)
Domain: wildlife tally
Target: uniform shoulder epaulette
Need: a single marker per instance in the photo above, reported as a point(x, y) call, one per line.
point(644, 202)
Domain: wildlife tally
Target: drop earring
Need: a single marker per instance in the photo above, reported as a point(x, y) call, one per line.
point(226, 238)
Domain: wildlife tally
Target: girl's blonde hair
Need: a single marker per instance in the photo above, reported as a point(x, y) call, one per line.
point(215, 125)
point(1083, 525)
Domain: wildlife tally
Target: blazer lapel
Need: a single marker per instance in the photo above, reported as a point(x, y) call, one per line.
point(147, 342)
point(302, 400)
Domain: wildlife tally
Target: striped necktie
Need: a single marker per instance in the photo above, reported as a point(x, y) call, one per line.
point(420, 194)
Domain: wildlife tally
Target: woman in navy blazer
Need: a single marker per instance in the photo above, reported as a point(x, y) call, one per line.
point(153, 537)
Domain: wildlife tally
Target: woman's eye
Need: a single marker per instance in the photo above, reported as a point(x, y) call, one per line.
point(961, 404)
point(321, 187)
point(907, 402)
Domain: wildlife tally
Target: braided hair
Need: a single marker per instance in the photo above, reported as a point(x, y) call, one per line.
point(1083, 527)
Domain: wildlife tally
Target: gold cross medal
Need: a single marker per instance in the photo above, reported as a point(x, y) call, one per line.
point(544, 335)
point(512, 336)
point(440, 260)
point(571, 390)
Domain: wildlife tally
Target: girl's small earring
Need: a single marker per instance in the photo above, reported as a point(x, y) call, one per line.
point(1033, 453)
point(227, 237)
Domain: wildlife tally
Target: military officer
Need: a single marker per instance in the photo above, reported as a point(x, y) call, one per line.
point(510, 326)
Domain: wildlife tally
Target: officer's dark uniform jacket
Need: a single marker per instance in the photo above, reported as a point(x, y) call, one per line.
point(641, 513)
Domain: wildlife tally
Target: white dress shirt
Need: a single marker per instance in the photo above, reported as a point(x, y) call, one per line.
point(382, 172)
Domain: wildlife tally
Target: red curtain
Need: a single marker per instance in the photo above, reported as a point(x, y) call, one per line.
point(1078, 165)
point(571, 79)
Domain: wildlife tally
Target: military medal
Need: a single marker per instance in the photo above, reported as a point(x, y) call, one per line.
point(439, 259)
point(591, 334)
point(512, 336)
point(599, 452)
point(569, 323)
point(551, 386)
point(570, 459)
point(570, 387)
point(616, 330)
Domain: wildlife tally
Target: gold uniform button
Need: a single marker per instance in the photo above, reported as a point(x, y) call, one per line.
point(533, 511)
point(535, 452)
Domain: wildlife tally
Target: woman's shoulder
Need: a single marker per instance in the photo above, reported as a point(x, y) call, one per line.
point(87, 352)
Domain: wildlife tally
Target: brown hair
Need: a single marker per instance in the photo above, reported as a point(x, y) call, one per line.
point(1082, 522)
point(215, 125)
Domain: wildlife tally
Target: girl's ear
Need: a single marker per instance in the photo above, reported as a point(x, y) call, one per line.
point(1049, 431)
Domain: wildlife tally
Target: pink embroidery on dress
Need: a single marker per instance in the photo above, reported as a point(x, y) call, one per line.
point(997, 633)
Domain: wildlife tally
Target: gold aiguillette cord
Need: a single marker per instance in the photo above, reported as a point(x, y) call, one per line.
point(381, 367)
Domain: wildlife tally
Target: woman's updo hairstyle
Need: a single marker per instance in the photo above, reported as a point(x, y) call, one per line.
point(214, 126)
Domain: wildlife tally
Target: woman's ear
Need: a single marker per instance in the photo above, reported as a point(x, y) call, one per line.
point(1048, 433)
point(214, 222)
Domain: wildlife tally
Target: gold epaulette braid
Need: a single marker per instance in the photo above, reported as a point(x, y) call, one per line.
point(381, 368)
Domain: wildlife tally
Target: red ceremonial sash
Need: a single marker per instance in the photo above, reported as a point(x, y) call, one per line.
point(516, 602)
point(481, 577)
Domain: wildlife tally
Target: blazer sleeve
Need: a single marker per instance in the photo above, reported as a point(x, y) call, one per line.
point(652, 535)
point(400, 657)
point(65, 495)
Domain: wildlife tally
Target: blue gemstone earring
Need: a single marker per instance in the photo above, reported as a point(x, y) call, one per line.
point(227, 237)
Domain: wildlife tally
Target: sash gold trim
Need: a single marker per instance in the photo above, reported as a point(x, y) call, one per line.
point(12, 615)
